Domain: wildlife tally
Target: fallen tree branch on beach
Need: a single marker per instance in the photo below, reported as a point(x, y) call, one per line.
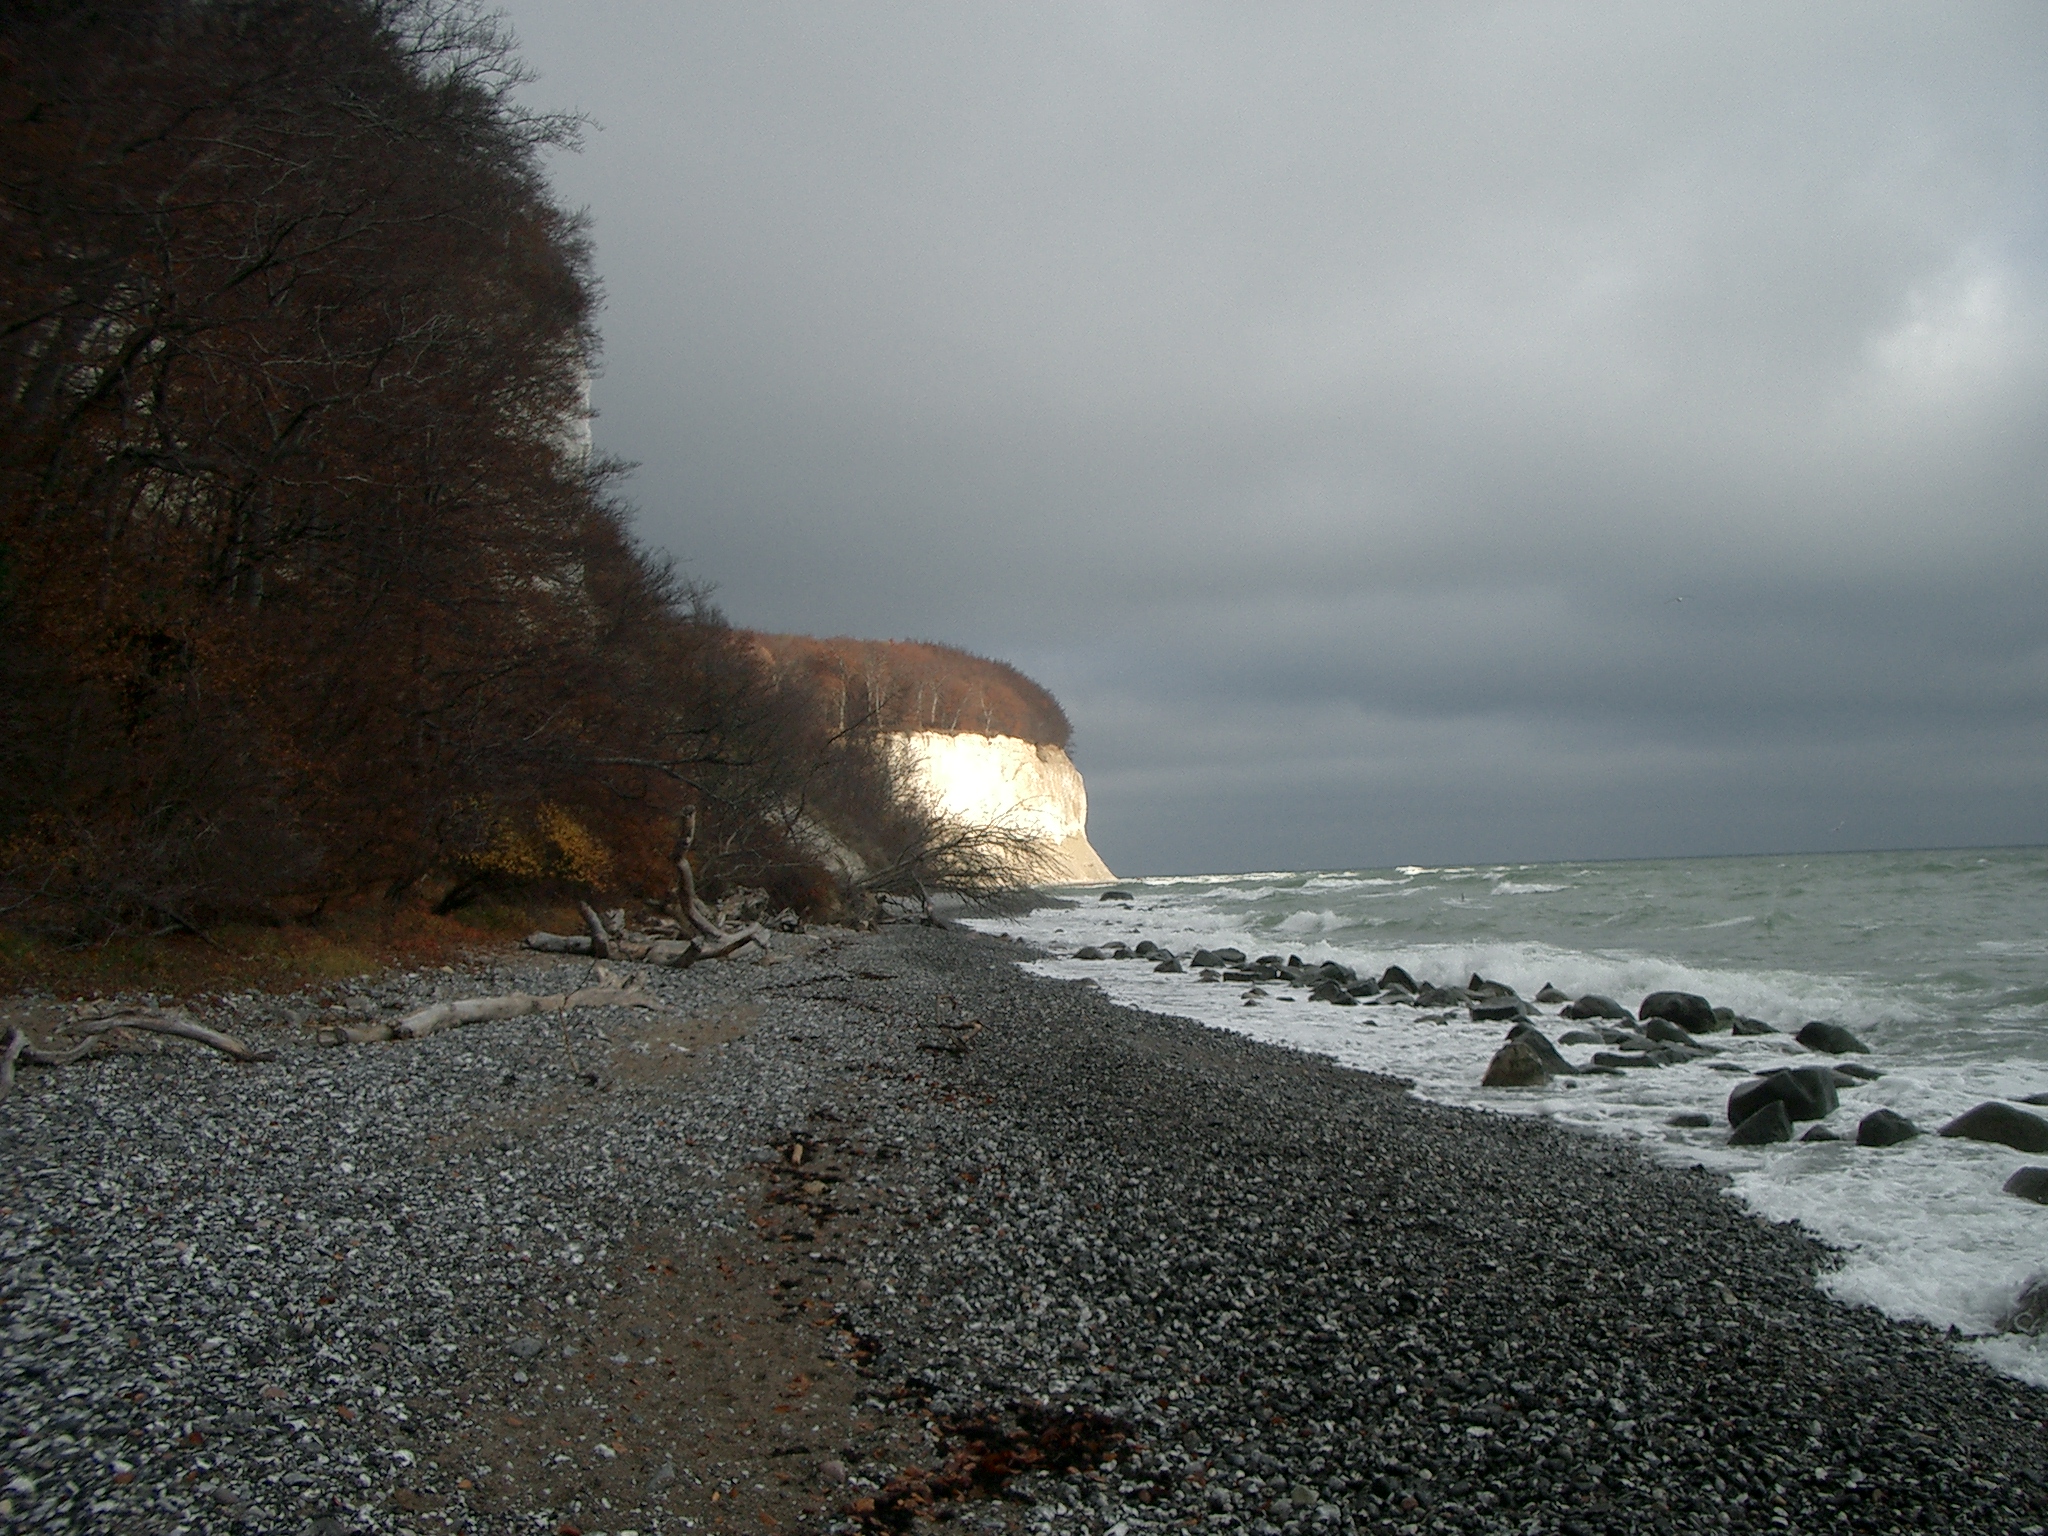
point(479, 1010)
point(173, 1023)
point(675, 954)
point(10, 1047)
point(15, 1045)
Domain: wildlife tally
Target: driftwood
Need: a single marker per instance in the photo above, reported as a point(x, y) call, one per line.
point(689, 908)
point(675, 954)
point(14, 1045)
point(477, 1010)
point(175, 1024)
point(600, 941)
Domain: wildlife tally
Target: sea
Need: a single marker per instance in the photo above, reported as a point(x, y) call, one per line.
point(1938, 961)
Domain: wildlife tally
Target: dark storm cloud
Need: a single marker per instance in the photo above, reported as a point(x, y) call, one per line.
point(1331, 405)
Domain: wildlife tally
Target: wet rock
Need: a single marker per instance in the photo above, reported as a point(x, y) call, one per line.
point(1116, 896)
point(1831, 1039)
point(1553, 1058)
point(1691, 1120)
point(1144, 947)
point(1582, 1037)
point(1394, 976)
point(2003, 1124)
point(1518, 1064)
point(1169, 966)
point(1884, 1128)
point(1479, 986)
point(1549, 996)
point(1089, 952)
point(1753, 1027)
point(1655, 1028)
point(2028, 1313)
point(1769, 1123)
point(1857, 1071)
point(1819, 1133)
point(1441, 997)
point(1808, 1093)
point(1497, 1010)
point(1594, 1006)
point(1688, 1010)
point(2029, 1184)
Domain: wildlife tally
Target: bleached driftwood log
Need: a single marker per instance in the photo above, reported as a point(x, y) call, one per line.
point(477, 1010)
point(675, 954)
point(14, 1045)
point(171, 1022)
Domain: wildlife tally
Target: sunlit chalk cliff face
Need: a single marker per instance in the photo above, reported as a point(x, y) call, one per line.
point(1007, 781)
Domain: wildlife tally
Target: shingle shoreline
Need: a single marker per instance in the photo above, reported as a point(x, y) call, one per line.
point(1315, 1303)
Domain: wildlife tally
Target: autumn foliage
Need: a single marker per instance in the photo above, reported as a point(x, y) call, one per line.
point(914, 685)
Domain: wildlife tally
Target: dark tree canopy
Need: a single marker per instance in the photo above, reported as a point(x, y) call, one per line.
point(305, 582)
point(308, 585)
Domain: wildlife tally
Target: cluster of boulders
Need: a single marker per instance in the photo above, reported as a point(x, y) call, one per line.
point(1663, 1030)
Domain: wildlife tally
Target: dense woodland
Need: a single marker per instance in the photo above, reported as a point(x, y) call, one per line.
point(308, 588)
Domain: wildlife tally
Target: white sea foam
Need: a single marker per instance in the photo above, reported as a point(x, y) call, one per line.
point(1924, 1228)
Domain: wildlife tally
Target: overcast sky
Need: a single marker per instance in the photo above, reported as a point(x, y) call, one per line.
point(1396, 434)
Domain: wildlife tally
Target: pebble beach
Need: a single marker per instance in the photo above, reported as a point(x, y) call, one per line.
point(877, 1230)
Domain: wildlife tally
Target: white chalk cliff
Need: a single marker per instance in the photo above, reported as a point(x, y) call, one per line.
point(1007, 780)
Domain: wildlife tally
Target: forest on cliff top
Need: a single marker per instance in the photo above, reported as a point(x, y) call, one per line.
point(310, 591)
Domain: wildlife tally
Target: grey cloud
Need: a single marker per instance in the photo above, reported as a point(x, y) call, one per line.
point(1220, 363)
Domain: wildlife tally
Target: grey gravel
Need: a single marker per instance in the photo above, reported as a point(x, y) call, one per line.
point(233, 1295)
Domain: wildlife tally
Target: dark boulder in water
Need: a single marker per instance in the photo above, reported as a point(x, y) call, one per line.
point(1831, 1039)
point(1768, 1124)
point(1089, 952)
point(1394, 976)
point(1479, 986)
point(2003, 1124)
point(1116, 896)
point(1169, 966)
point(2029, 1184)
point(1808, 1093)
point(1692, 1120)
point(1688, 1010)
point(1553, 1058)
point(1666, 1031)
point(1752, 1027)
point(1857, 1071)
point(1884, 1128)
point(1594, 1006)
point(1496, 1010)
point(1209, 959)
point(1518, 1064)
point(1549, 996)
point(1819, 1133)
point(1145, 947)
